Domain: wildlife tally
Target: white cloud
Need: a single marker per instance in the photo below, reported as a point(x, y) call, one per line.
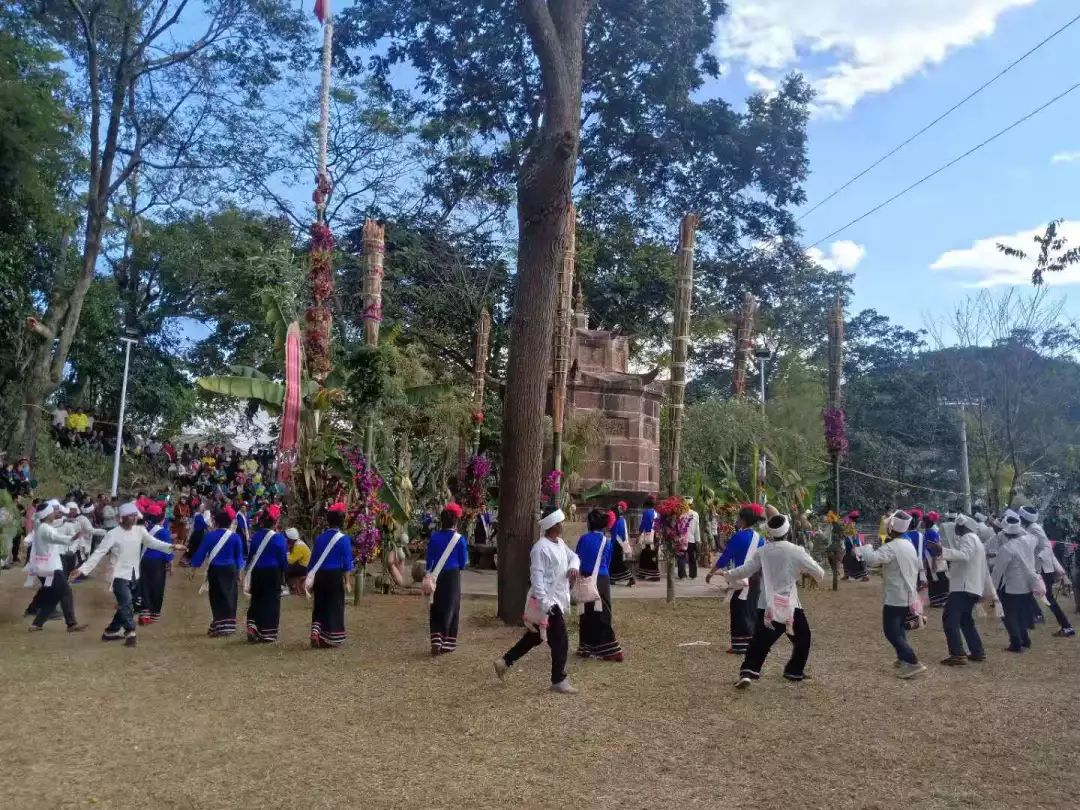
point(1066, 157)
point(762, 83)
point(844, 256)
point(984, 265)
point(852, 49)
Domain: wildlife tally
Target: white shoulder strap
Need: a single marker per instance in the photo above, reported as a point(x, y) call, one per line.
point(153, 532)
point(599, 555)
point(322, 557)
point(445, 555)
point(255, 558)
point(755, 538)
point(218, 546)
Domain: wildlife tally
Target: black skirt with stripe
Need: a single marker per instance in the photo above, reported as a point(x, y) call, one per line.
point(445, 611)
point(152, 574)
point(328, 609)
point(595, 629)
point(222, 582)
point(264, 609)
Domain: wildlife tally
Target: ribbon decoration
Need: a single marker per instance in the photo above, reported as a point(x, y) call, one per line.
point(290, 412)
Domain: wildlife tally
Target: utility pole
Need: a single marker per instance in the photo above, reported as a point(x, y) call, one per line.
point(120, 421)
point(964, 469)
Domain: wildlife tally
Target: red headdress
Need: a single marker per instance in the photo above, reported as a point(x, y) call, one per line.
point(611, 518)
point(756, 509)
point(453, 508)
point(154, 510)
point(623, 506)
point(338, 507)
point(230, 512)
point(274, 511)
point(933, 517)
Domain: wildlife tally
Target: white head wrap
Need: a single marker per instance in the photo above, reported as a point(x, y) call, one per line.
point(778, 526)
point(292, 533)
point(1029, 513)
point(980, 517)
point(45, 512)
point(900, 521)
point(965, 522)
point(554, 519)
point(128, 510)
point(70, 505)
point(1010, 523)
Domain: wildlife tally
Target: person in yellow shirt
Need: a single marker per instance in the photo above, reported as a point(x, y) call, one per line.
point(299, 560)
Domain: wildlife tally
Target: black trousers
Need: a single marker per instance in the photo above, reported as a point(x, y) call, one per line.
point(264, 608)
point(152, 574)
point(596, 634)
point(59, 593)
point(766, 636)
point(959, 625)
point(445, 610)
point(688, 560)
point(557, 640)
point(1017, 608)
point(743, 615)
point(222, 581)
point(1055, 608)
point(894, 623)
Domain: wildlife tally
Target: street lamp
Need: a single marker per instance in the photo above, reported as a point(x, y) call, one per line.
point(131, 335)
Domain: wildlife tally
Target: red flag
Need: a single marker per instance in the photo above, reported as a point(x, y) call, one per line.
point(322, 10)
point(290, 413)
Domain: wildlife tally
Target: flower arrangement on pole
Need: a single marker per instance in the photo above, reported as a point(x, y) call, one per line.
point(365, 517)
point(474, 490)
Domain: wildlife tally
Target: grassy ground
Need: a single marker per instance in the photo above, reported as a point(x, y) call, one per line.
point(188, 722)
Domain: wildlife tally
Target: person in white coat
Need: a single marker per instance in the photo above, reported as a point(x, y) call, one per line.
point(1046, 565)
point(124, 545)
point(781, 564)
point(969, 581)
point(687, 560)
point(553, 568)
point(900, 567)
point(49, 538)
point(1015, 580)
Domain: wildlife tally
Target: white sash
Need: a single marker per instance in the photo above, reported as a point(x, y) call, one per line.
point(434, 574)
point(218, 546)
point(251, 565)
point(309, 580)
point(153, 533)
point(744, 594)
point(585, 587)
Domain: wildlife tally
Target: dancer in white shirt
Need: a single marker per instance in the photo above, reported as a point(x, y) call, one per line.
point(44, 562)
point(1046, 566)
point(1015, 581)
point(900, 566)
point(124, 545)
point(969, 581)
point(781, 564)
point(553, 568)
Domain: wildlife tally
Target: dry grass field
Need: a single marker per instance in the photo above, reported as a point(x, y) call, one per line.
point(184, 721)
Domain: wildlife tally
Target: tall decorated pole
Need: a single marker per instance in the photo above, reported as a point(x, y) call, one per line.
point(744, 339)
point(680, 345)
point(836, 441)
point(318, 317)
point(483, 340)
point(560, 352)
point(374, 252)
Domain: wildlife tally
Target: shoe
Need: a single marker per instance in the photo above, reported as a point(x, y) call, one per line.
point(978, 659)
point(129, 640)
point(910, 671)
point(583, 654)
point(112, 635)
point(743, 682)
point(897, 664)
point(76, 628)
point(617, 658)
point(436, 650)
point(1014, 649)
point(800, 679)
point(955, 661)
point(35, 628)
point(1026, 644)
point(1065, 632)
point(733, 651)
point(865, 579)
point(563, 688)
point(500, 668)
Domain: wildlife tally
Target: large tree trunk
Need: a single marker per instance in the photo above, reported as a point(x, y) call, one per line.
point(544, 185)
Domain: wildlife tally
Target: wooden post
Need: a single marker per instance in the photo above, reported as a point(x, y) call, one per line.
point(680, 344)
point(483, 338)
point(374, 257)
point(560, 350)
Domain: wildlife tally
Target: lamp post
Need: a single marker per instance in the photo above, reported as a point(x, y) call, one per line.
point(129, 338)
point(965, 469)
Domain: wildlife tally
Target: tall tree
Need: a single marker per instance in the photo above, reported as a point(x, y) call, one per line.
point(523, 88)
point(154, 81)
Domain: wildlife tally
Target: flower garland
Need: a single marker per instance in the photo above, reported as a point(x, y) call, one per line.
point(836, 441)
point(321, 274)
point(552, 485)
point(365, 517)
point(674, 521)
point(473, 497)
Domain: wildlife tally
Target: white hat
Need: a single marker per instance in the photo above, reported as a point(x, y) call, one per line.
point(88, 510)
point(292, 533)
point(965, 522)
point(980, 517)
point(554, 519)
point(128, 510)
point(900, 521)
point(1029, 513)
point(1010, 523)
point(45, 511)
point(778, 526)
point(71, 505)
point(55, 504)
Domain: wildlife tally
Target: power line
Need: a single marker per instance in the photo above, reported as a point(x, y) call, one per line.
point(948, 165)
point(940, 118)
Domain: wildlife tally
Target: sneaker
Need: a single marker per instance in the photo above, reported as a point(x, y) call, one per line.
point(129, 640)
point(955, 661)
point(35, 628)
point(112, 635)
point(1065, 632)
point(76, 628)
point(910, 671)
point(1014, 649)
point(563, 688)
point(501, 667)
point(977, 658)
point(743, 682)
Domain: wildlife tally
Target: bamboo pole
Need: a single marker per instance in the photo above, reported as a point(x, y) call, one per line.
point(561, 337)
point(483, 338)
point(744, 335)
point(680, 345)
point(374, 258)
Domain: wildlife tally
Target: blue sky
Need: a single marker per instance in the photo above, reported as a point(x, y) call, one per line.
point(883, 69)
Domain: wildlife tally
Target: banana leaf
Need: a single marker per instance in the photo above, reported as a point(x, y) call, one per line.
point(276, 320)
point(266, 391)
point(389, 496)
point(246, 371)
point(598, 491)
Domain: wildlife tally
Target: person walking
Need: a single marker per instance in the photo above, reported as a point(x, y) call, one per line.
point(447, 556)
point(969, 582)
point(744, 544)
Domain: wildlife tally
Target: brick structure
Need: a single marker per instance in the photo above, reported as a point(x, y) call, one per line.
point(630, 407)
